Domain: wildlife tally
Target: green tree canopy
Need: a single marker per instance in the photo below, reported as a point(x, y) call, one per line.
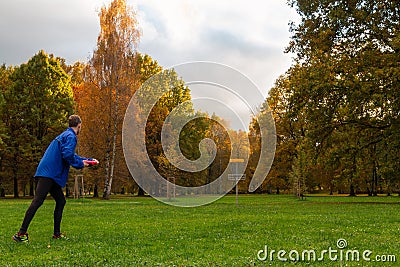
point(343, 89)
point(38, 102)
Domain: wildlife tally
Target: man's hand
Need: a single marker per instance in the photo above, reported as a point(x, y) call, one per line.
point(89, 163)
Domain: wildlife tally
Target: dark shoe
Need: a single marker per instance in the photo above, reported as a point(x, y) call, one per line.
point(21, 238)
point(60, 236)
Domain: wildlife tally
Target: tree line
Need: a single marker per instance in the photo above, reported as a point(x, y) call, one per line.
point(336, 108)
point(38, 96)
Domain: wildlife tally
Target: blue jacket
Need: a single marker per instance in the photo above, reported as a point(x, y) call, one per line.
point(59, 156)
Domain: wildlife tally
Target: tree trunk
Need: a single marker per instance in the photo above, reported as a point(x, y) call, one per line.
point(375, 181)
point(107, 170)
point(95, 191)
point(15, 178)
point(31, 188)
point(109, 184)
point(106, 194)
point(369, 192)
point(107, 189)
point(352, 191)
point(140, 192)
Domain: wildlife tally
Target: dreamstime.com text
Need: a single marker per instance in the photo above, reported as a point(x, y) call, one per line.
point(338, 253)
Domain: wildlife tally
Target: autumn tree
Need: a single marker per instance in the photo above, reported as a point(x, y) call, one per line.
point(173, 92)
point(217, 131)
point(289, 129)
point(111, 71)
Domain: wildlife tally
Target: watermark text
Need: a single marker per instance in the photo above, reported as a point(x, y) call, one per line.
point(338, 253)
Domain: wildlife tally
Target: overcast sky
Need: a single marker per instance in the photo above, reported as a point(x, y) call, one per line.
point(249, 36)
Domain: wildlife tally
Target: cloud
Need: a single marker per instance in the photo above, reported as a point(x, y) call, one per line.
point(67, 29)
point(249, 36)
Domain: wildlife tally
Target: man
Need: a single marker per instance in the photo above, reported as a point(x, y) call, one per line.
point(52, 175)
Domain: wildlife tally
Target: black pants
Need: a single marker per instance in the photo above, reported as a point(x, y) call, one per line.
point(45, 186)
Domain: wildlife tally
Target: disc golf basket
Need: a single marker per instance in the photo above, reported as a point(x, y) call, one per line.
point(236, 174)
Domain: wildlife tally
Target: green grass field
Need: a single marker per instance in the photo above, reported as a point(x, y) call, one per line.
point(144, 232)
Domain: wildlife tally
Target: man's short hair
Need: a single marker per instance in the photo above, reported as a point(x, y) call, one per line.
point(74, 120)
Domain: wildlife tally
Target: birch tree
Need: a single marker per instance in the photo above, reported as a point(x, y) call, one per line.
point(111, 72)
